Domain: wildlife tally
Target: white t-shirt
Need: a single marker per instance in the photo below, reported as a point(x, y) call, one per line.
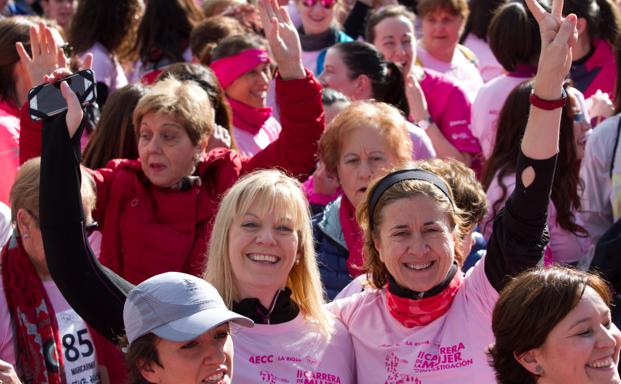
point(293, 352)
point(486, 109)
point(450, 349)
point(461, 70)
point(489, 67)
point(80, 360)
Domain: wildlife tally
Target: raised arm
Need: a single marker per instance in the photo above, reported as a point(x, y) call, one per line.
point(519, 236)
point(46, 58)
point(93, 291)
point(298, 95)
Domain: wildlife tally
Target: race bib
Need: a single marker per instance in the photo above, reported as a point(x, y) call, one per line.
point(78, 349)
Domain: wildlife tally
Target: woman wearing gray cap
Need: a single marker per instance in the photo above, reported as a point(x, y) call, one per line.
point(178, 331)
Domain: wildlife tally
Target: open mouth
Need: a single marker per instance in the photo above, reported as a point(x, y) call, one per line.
point(362, 190)
point(215, 378)
point(602, 364)
point(263, 259)
point(419, 266)
point(316, 19)
point(157, 167)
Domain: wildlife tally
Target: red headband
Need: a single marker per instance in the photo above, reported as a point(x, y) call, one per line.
point(228, 69)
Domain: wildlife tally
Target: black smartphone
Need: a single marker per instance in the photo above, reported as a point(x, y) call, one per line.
point(45, 100)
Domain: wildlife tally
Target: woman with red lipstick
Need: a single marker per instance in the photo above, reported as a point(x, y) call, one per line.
point(553, 326)
point(410, 326)
point(569, 242)
point(155, 214)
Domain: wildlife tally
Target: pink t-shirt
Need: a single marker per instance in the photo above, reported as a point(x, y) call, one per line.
point(293, 352)
point(450, 350)
point(450, 110)
point(489, 67)
point(249, 144)
point(80, 359)
point(486, 109)
point(565, 246)
point(462, 70)
point(9, 148)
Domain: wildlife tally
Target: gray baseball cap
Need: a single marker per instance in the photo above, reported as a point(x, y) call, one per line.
point(176, 306)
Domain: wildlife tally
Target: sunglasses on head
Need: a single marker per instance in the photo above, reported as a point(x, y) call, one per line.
point(327, 4)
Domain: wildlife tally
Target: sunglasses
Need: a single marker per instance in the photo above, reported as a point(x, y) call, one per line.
point(327, 4)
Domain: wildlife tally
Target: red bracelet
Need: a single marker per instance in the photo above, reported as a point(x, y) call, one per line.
point(548, 105)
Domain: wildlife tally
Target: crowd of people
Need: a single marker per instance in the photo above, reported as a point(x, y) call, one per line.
point(310, 191)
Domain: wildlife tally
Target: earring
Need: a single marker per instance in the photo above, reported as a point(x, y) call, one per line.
point(26, 235)
point(539, 370)
point(297, 261)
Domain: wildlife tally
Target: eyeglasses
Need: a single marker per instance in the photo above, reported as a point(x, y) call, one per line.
point(327, 4)
point(67, 50)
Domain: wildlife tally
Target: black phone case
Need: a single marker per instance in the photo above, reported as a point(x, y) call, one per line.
point(86, 73)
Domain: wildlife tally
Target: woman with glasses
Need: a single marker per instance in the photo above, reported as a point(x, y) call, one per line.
point(318, 31)
point(569, 240)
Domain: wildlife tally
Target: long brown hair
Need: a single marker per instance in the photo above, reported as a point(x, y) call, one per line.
point(12, 30)
point(166, 27)
point(105, 22)
point(511, 126)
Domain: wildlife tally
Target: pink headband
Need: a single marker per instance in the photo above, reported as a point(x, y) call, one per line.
point(230, 68)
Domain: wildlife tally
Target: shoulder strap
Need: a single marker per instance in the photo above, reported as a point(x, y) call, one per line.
point(614, 151)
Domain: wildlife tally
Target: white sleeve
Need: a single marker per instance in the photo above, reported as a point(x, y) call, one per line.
point(596, 208)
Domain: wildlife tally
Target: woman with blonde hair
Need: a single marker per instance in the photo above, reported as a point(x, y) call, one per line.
point(262, 261)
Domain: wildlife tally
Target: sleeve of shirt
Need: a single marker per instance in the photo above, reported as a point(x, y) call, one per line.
point(520, 233)
point(93, 291)
point(596, 208)
point(455, 124)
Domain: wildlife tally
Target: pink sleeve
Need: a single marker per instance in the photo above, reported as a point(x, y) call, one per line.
point(9, 157)
point(455, 123)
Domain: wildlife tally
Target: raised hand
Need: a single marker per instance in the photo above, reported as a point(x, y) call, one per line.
point(46, 56)
point(283, 39)
point(558, 35)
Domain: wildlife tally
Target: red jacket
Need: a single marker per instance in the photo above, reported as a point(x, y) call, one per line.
point(149, 230)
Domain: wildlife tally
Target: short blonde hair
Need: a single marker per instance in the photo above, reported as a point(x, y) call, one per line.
point(401, 190)
point(385, 118)
point(187, 102)
point(275, 192)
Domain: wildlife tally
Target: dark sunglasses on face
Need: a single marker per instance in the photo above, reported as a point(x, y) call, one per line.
point(327, 4)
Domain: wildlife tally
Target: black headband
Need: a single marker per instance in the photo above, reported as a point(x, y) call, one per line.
point(401, 175)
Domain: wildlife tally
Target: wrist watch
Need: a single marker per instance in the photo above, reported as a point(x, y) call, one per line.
point(424, 123)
